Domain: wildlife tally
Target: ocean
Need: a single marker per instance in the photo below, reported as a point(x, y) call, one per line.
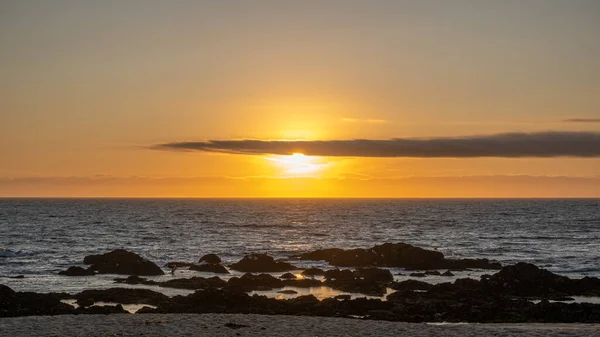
point(49, 235)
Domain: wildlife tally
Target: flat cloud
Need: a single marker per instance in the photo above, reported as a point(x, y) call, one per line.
point(582, 120)
point(507, 145)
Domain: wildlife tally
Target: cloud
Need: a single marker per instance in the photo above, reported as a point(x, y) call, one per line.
point(506, 145)
point(368, 121)
point(582, 120)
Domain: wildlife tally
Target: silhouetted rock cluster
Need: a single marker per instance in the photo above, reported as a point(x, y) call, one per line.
point(118, 261)
point(261, 263)
point(395, 255)
point(505, 296)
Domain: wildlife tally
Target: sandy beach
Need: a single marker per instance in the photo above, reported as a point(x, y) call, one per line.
point(263, 325)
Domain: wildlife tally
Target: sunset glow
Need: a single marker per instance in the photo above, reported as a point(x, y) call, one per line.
point(299, 165)
point(391, 99)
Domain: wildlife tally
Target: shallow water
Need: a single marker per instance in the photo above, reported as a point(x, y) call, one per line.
point(53, 234)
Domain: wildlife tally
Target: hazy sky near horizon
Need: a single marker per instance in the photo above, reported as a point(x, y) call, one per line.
point(89, 88)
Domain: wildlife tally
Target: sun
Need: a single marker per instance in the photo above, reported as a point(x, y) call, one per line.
point(298, 164)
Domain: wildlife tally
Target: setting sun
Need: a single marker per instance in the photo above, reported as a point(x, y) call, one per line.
point(299, 165)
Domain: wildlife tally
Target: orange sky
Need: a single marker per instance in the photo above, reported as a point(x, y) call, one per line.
point(87, 90)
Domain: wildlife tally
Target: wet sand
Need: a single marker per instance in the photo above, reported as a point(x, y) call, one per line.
point(263, 325)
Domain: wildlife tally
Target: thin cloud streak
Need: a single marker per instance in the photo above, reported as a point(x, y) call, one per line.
point(504, 145)
point(582, 120)
point(368, 121)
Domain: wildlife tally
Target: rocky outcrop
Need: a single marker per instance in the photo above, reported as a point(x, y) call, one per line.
point(209, 268)
point(122, 296)
point(261, 263)
point(77, 271)
point(525, 279)
point(123, 262)
point(395, 255)
point(210, 258)
point(192, 283)
point(14, 303)
point(369, 281)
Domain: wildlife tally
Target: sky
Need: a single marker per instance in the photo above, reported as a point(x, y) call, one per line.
point(300, 99)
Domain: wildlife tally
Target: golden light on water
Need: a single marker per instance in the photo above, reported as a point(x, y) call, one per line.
point(299, 165)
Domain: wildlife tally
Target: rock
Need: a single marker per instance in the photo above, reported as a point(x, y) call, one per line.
point(135, 280)
point(193, 283)
point(343, 297)
point(394, 255)
point(288, 276)
point(121, 261)
point(145, 310)
point(411, 285)
point(77, 271)
point(14, 304)
point(525, 279)
point(374, 274)
point(313, 272)
point(6, 291)
point(432, 273)
point(261, 263)
point(210, 258)
point(85, 302)
point(103, 310)
point(369, 281)
point(209, 268)
point(288, 292)
point(123, 296)
point(249, 282)
point(447, 273)
point(17, 277)
point(417, 275)
point(303, 283)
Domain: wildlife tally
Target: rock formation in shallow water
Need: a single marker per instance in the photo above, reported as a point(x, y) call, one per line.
point(395, 255)
point(261, 263)
point(123, 262)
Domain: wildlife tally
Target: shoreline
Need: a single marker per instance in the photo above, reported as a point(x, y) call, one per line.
point(267, 325)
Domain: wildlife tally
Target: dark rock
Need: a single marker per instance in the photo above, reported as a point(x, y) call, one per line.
point(121, 261)
point(135, 280)
point(394, 255)
point(210, 268)
point(369, 281)
point(525, 279)
point(103, 310)
point(288, 292)
point(417, 275)
point(261, 263)
point(14, 304)
point(303, 283)
point(85, 302)
point(123, 296)
point(18, 277)
point(342, 297)
point(249, 282)
point(77, 271)
point(374, 274)
point(145, 310)
point(447, 273)
point(411, 285)
point(210, 258)
point(433, 273)
point(313, 272)
point(288, 276)
point(193, 283)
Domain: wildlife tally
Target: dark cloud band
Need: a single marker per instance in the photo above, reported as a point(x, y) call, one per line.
point(508, 145)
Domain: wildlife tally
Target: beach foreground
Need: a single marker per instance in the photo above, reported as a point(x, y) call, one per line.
point(264, 325)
